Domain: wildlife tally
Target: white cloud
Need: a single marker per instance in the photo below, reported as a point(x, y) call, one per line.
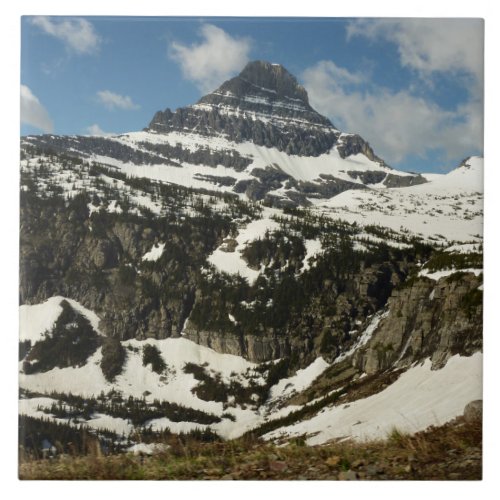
point(95, 129)
point(212, 61)
point(113, 100)
point(77, 34)
point(32, 111)
point(430, 45)
point(397, 124)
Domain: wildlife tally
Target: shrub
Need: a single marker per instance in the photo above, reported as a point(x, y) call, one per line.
point(113, 358)
point(152, 356)
point(126, 275)
point(472, 301)
point(70, 343)
point(277, 371)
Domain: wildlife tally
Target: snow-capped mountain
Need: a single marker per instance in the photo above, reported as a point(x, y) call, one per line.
point(241, 264)
point(255, 135)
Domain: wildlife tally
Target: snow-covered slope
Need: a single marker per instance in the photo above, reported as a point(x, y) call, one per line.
point(302, 168)
point(35, 320)
point(139, 381)
point(448, 207)
point(420, 398)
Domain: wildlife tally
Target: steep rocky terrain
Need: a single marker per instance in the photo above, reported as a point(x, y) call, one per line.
point(242, 266)
point(427, 319)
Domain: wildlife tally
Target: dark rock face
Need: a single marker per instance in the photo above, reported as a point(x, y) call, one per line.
point(390, 180)
point(394, 181)
point(60, 256)
point(203, 156)
point(368, 176)
point(425, 319)
point(274, 77)
point(352, 144)
point(216, 179)
point(265, 105)
point(328, 187)
point(323, 328)
point(84, 146)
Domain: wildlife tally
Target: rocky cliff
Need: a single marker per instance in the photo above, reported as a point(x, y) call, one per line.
point(427, 318)
point(264, 104)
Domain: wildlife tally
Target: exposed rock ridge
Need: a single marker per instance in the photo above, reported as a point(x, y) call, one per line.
point(427, 319)
point(265, 105)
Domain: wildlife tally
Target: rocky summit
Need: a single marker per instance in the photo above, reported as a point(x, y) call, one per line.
point(264, 104)
point(241, 267)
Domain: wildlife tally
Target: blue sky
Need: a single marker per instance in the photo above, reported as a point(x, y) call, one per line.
point(410, 87)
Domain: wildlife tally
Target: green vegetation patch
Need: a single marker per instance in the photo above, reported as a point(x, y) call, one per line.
point(151, 355)
point(70, 343)
point(113, 358)
point(447, 260)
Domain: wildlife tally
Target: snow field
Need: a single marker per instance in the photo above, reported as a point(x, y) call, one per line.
point(449, 207)
point(419, 398)
point(300, 167)
point(139, 381)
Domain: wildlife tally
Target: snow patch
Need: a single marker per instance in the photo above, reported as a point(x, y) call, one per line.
point(364, 337)
point(465, 248)
point(160, 424)
point(233, 262)
point(313, 248)
point(298, 382)
point(107, 422)
point(155, 253)
point(437, 275)
point(147, 449)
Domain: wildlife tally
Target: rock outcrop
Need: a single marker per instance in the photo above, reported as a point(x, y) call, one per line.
point(427, 318)
point(326, 326)
point(264, 104)
point(474, 411)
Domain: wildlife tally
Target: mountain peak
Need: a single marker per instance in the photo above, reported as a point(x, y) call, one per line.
point(267, 84)
point(264, 104)
point(275, 78)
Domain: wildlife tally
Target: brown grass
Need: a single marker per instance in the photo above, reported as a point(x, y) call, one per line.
point(452, 451)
